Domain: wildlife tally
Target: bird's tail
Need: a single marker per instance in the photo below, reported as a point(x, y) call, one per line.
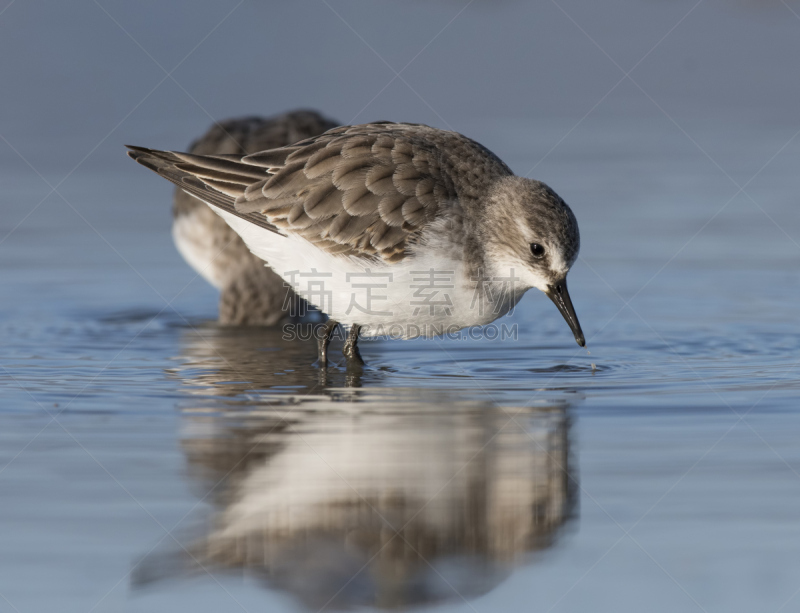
point(217, 180)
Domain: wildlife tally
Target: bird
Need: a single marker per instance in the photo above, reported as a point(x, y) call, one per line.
point(390, 227)
point(251, 294)
point(384, 504)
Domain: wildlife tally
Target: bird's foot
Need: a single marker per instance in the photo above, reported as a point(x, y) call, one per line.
point(324, 341)
point(353, 356)
point(350, 351)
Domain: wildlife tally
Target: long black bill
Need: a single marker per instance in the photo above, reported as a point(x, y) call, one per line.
point(560, 296)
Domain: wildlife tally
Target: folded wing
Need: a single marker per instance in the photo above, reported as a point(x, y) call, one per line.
point(364, 190)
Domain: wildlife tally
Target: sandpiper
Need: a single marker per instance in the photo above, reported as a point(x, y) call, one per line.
point(390, 228)
point(250, 293)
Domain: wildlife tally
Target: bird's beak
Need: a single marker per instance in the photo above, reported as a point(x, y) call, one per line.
point(560, 296)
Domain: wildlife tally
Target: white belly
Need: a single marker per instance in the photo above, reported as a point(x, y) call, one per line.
point(191, 239)
point(424, 295)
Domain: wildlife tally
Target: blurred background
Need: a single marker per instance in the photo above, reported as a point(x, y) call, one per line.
point(659, 472)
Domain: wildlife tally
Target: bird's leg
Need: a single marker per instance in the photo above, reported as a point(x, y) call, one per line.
point(350, 350)
point(325, 340)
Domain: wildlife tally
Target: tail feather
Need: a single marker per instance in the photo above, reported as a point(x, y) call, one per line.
point(216, 180)
point(228, 167)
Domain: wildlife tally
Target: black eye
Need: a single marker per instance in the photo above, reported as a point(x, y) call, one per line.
point(537, 250)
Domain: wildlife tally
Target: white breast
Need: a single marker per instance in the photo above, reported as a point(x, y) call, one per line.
point(425, 294)
point(190, 236)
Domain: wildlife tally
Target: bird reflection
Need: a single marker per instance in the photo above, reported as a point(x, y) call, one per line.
point(381, 497)
point(229, 361)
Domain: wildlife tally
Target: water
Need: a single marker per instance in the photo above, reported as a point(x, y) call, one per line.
point(151, 460)
point(154, 460)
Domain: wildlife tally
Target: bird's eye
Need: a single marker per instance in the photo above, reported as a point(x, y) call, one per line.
point(537, 250)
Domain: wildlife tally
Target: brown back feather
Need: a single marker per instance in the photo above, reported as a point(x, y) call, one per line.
point(365, 190)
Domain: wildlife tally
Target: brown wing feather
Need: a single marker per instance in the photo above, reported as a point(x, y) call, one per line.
point(380, 183)
point(176, 170)
point(365, 190)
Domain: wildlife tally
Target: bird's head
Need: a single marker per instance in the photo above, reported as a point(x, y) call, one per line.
point(530, 233)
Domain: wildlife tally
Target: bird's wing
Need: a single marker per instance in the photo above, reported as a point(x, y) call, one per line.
point(358, 190)
point(242, 135)
point(220, 194)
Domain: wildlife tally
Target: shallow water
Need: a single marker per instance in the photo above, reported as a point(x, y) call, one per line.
point(152, 460)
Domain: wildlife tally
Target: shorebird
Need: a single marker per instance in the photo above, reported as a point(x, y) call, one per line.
point(384, 504)
point(250, 293)
point(431, 221)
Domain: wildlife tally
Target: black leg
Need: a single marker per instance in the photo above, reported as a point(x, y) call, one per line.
point(325, 340)
point(350, 350)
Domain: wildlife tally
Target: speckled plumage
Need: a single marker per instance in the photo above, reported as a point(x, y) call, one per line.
point(250, 292)
point(391, 199)
point(355, 190)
